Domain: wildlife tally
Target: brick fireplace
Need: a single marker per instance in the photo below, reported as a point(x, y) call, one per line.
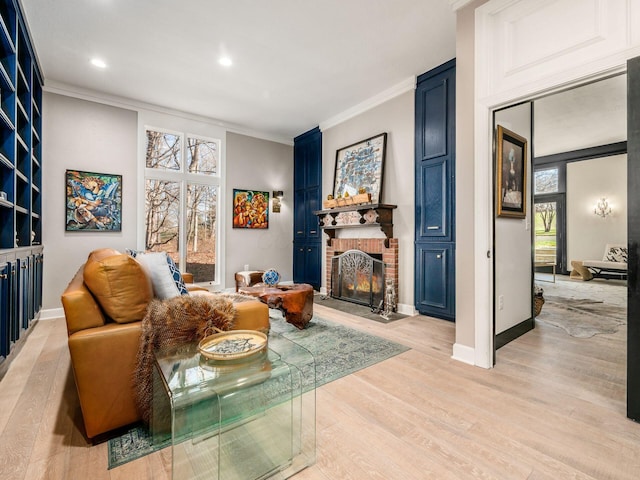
point(386, 247)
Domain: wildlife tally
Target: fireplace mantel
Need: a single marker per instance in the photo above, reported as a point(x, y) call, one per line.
point(355, 216)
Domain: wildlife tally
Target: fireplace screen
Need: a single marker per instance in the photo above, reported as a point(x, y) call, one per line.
point(357, 277)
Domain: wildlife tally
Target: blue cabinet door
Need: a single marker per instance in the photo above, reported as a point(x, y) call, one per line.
point(435, 211)
point(5, 299)
point(307, 234)
point(435, 192)
point(434, 291)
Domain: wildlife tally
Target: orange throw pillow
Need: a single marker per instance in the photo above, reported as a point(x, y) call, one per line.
point(119, 284)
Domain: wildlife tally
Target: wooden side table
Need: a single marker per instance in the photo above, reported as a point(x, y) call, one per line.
point(294, 301)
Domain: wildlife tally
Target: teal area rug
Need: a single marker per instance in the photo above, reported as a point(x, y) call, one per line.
point(338, 351)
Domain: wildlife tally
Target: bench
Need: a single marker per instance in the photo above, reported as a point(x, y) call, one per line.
point(613, 264)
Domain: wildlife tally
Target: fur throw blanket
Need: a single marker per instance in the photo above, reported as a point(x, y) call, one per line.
point(175, 321)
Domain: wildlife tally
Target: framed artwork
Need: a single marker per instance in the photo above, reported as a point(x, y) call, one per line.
point(359, 168)
point(511, 169)
point(93, 202)
point(250, 209)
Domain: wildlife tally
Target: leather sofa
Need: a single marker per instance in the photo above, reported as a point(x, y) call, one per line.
point(104, 305)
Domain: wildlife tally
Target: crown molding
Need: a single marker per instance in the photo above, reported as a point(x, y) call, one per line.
point(458, 4)
point(379, 99)
point(136, 105)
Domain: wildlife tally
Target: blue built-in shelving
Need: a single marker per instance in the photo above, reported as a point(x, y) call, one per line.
point(21, 248)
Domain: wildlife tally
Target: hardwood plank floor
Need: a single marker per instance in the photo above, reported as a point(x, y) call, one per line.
point(552, 408)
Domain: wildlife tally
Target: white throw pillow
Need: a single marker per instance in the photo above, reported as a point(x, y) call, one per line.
point(157, 266)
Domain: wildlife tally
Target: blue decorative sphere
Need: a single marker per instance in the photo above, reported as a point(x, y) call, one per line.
point(271, 277)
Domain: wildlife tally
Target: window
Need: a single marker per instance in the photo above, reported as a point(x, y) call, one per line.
point(181, 200)
point(546, 181)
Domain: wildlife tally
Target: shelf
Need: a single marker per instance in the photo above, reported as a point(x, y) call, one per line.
point(20, 132)
point(5, 161)
point(6, 79)
point(22, 143)
point(22, 176)
point(4, 117)
point(357, 216)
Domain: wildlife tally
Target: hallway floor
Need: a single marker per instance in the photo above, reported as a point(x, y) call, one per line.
point(613, 292)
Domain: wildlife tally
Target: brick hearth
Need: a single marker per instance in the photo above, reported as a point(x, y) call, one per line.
point(370, 246)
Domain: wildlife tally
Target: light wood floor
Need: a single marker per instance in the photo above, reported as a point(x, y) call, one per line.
point(552, 408)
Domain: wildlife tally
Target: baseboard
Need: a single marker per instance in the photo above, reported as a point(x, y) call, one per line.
point(464, 354)
point(51, 313)
point(514, 332)
point(406, 309)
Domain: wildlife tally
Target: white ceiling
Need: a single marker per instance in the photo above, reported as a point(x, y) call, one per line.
point(297, 63)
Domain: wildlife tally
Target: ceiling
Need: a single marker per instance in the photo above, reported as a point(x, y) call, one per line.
point(296, 63)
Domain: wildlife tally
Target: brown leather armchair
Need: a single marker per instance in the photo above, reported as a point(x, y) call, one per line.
point(104, 305)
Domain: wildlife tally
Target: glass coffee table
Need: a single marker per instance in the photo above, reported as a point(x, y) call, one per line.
point(241, 419)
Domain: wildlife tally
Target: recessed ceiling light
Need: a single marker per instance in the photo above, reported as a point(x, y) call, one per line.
point(225, 61)
point(96, 62)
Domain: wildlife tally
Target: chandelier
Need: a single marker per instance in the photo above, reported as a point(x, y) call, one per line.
point(602, 208)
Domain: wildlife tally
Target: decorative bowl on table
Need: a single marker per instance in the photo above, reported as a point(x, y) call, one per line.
point(271, 277)
point(233, 345)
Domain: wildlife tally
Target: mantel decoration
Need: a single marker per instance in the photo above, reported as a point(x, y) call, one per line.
point(359, 169)
point(511, 170)
point(250, 209)
point(93, 202)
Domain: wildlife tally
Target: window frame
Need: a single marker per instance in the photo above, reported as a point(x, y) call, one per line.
point(183, 177)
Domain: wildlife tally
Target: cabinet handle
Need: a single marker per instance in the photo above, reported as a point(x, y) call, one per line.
point(302, 249)
point(433, 227)
point(309, 250)
point(299, 232)
point(313, 231)
point(438, 256)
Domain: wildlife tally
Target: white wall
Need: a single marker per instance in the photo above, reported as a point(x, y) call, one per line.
point(525, 49)
point(87, 135)
point(396, 117)
point(512, 257)
point(587, 182)
point(261, 165)
point(82, 135)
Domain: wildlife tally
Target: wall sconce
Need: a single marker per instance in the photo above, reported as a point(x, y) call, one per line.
point(602, 208)
point(277, 199)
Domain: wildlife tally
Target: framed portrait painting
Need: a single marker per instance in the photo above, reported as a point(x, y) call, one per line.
point(359, 168)
point(511, 174)
point(250, 209)
point(93, 202)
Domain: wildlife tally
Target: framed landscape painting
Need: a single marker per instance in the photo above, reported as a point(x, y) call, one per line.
point(511, 174)
point(359, 168)
point(93, 202)
point(250, 209)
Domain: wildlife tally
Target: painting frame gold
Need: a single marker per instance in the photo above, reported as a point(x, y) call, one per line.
point(511, 174)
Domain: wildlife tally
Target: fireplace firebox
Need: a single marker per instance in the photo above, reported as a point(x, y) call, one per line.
point(358, 277)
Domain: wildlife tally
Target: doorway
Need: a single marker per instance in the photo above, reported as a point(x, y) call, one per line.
point(566, 183)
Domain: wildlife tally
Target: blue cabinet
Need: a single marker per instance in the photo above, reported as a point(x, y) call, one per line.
point(20, 295)
point(20, 179)
point(435, 192)
point(307, 236)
